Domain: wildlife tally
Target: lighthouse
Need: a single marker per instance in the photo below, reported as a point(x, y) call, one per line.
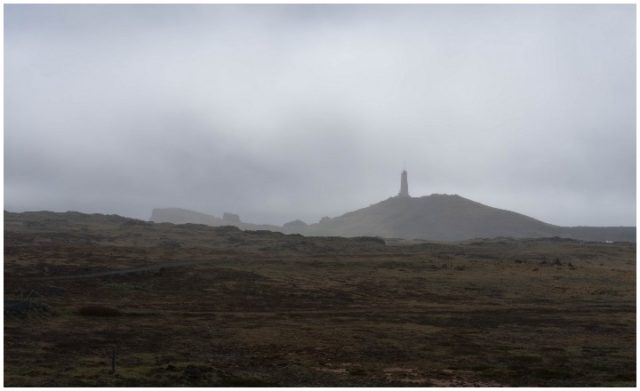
point(404, 185)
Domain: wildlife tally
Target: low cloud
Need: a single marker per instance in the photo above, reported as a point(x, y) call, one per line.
point(284, 112)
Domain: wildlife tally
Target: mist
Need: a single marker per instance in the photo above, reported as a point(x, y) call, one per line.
point(298, 111)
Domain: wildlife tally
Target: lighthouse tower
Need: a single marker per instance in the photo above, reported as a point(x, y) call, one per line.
point(404, 185)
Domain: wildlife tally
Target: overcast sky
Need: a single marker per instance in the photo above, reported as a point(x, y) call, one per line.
point(284, 112)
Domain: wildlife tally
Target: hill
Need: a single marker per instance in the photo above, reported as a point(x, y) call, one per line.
point(451, 217)
point(439, 217)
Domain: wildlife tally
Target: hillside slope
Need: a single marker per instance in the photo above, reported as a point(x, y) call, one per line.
point(439, 217)
point(451, 217)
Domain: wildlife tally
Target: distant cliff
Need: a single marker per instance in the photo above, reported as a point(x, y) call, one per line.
point(184, 216)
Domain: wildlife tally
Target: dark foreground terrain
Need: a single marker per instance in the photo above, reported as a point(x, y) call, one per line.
point(201, 306)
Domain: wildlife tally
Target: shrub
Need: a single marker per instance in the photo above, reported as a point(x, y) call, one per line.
point(357, 372)
point(99, 310)
point(369, 239)
point(24, 307)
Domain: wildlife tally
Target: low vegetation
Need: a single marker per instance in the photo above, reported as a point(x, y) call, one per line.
point(98, 310)
point(223, 307)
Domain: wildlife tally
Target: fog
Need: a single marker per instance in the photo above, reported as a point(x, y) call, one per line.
point(285, 112)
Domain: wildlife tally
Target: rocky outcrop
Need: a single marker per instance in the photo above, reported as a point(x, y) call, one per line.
point(184, 216)
point(294, 227)
point(230, 218)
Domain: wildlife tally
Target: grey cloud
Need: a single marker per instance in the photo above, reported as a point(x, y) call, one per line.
point(283, 112)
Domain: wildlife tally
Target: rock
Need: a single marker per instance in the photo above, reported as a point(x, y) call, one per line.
point(295, 226)
point(231, 218)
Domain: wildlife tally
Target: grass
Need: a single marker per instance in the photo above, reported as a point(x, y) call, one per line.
point(353, 314)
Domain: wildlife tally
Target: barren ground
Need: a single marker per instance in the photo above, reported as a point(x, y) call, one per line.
point(192, 305)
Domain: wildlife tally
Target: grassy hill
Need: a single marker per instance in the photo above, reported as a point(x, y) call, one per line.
point(450, 218)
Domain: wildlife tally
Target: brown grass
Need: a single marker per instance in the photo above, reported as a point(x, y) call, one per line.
point(292, 311)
